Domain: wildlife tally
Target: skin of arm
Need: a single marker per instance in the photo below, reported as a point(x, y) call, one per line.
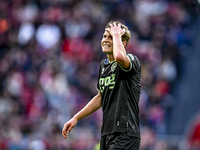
point(91, 107)
point(119, 52)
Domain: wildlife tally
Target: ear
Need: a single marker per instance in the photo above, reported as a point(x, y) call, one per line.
point(124, 43)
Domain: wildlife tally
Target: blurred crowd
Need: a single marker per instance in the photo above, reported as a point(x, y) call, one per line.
point(50, 53)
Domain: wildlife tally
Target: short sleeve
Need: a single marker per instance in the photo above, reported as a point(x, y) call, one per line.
point(135, 64)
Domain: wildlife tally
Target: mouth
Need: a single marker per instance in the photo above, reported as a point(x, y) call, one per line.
point(106, 45)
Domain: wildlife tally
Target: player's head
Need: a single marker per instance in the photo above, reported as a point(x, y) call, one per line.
point(127, 35)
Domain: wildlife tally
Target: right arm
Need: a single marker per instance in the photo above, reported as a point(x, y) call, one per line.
point(91, 107)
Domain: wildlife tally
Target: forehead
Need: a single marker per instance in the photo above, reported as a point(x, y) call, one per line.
point(106, 33)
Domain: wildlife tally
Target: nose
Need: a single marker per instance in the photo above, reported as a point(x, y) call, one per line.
point(105, 39)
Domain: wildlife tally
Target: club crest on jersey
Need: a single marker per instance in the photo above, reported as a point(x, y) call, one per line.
point(114, 65)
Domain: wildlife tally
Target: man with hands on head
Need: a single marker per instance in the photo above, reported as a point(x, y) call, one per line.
point(119, 85)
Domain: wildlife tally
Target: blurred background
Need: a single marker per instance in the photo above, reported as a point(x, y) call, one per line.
point(50, 53)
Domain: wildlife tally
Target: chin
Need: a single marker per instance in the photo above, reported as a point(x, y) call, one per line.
point(107, 51)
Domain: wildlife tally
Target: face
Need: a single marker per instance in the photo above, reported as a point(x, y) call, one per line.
point(107, 43)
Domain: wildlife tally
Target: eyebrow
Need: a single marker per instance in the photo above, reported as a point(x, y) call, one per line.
point(106, 32)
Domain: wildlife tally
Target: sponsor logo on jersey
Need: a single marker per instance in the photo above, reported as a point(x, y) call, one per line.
point(107, 82)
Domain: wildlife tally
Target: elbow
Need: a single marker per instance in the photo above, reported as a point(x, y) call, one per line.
point(119, 58)
point(123, 61)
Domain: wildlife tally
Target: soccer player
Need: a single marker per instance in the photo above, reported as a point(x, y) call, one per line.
point(119, 85)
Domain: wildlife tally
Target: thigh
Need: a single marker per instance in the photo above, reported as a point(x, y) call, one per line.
point(107, 140)
point(120, 141)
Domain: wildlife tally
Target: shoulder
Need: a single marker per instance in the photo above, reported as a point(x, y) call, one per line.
point(133, 57)
point(135, 63)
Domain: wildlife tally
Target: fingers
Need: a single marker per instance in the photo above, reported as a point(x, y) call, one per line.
point(124, 30)
point(108, 29)
point(69, 129)
point(115, 24)
point(111, 24)
point(115, 27)
point(65, 135)
point(66, 130)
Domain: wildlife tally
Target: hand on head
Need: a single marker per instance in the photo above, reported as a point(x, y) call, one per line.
point(115, 28)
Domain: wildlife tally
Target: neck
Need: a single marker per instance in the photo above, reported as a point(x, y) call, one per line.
point(110, 57)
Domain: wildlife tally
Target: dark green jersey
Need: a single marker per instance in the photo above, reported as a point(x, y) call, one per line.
point(120, 93)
